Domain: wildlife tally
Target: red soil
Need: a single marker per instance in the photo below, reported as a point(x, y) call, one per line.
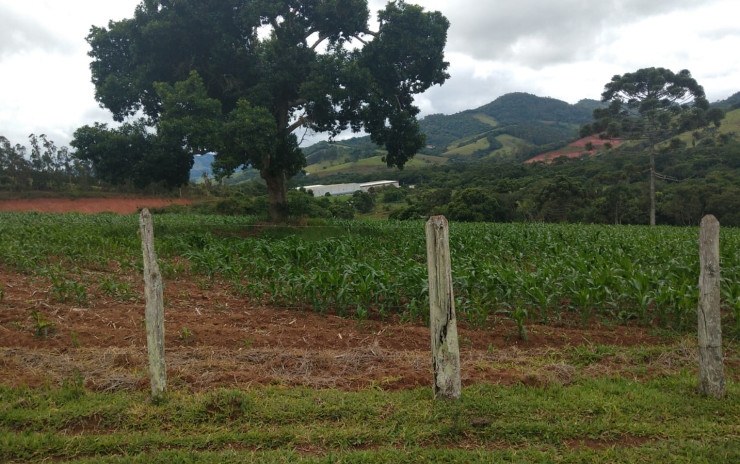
point(215, 338)
point(86, 205)
point(576, 149)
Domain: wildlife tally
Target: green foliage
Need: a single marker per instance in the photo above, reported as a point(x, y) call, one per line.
point(534, 121)
point(184, 335)
point(363, 202)
point(131, 154)
point(652, 104)
point(524, 272)
point(115, 289)
point(608, 188)
point(46, 167)
point(475, 205)
point(205, 77)
point(42, 326)
point(64, 289)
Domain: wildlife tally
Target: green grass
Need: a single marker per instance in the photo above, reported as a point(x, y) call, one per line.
point(469, 148)
point(616, 274)
point(597, 421)
point(486, 119)
point(731, 123)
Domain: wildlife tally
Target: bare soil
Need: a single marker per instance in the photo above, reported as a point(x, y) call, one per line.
point(576, 149)
point(216, 339)
point(87, 205)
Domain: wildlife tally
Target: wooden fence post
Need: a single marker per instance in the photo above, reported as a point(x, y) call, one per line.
point(443, 324)
point(154, 308)
point(711, 370)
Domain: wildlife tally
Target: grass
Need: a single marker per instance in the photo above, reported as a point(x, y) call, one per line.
point(469, 148)
point(630, 415)
point(486, 119)
point(596, 421)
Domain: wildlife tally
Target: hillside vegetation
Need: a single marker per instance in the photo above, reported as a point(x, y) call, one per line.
point(508, 129)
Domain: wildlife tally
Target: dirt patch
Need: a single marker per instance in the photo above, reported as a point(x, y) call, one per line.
point(215, 338)
point(576, 149)
point(87, 205)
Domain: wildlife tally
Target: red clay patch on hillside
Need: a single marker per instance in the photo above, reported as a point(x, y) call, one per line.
point(576, 149)
point(87, 205)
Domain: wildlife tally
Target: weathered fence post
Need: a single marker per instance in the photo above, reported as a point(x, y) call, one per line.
point(154, 308)
point(711, 370)
point(445, 349)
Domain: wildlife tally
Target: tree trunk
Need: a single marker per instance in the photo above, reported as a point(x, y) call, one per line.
point(276, 189)
point(652, 185)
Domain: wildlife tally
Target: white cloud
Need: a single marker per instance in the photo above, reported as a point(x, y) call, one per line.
point(566, 49)
point(20, 33)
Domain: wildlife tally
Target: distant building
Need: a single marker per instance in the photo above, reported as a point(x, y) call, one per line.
point(378, 184)
point(348, 189)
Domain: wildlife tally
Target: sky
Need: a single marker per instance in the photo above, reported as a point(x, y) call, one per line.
point(565, 49)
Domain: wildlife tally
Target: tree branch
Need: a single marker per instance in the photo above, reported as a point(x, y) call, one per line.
point(275, 26)
point(322, 37)
point(300, 122)
point(297, 103)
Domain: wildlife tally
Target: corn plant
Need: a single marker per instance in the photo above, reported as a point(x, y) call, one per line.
point(629, 273)
point(42, 326)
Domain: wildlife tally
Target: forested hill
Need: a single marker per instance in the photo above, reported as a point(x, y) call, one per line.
point(512, 127)
point(730, 103)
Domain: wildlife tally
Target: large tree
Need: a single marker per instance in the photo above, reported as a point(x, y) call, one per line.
point(650, 104)
point(243, 78)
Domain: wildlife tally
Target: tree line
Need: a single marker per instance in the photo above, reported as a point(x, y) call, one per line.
point(610, 188)
point(45, 166)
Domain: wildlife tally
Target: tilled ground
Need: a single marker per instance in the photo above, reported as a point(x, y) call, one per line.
point(86, 205)
point(214, 338)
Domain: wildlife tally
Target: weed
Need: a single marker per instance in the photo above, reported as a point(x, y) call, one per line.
point(72, 388)
point(75, 340)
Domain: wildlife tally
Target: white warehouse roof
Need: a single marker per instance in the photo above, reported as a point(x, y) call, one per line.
point(347, 189)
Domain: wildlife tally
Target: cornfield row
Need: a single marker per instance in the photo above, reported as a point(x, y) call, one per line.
point(524, 272)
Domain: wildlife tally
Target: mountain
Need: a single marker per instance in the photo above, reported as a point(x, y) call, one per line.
point(201, 165)
point(512, 127)
point(730, 103)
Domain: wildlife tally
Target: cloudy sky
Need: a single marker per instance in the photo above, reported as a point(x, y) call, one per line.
point(566, 49)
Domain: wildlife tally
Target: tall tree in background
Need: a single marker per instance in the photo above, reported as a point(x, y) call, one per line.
point(243, 78)
point(650, 104)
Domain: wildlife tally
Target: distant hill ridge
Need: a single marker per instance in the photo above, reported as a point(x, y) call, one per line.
point(513, 127)
point(509, 127)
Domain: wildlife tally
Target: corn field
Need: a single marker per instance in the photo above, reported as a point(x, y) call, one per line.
point(527, 273)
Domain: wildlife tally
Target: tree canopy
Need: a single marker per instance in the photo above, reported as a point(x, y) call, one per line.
point(651, 104)
point(243, 78)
